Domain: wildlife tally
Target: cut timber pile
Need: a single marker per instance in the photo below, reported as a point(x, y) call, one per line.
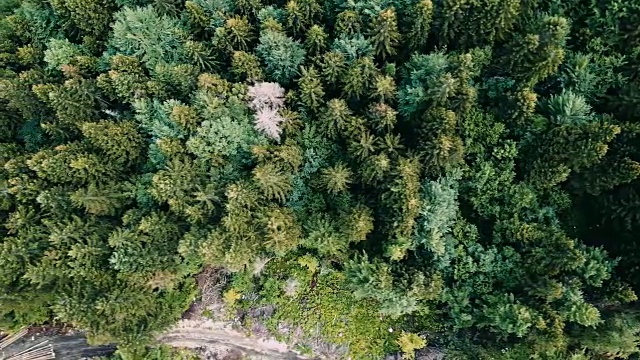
point(40, 351)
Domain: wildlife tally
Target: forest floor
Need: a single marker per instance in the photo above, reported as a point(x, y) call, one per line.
point(213, 335)
point(218, 340)
point(212, 340)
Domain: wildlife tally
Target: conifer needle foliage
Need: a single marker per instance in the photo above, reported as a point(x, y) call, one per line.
point(382, 175)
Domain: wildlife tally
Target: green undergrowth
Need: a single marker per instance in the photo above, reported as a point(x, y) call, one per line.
point(162, 352)
point(314, 307)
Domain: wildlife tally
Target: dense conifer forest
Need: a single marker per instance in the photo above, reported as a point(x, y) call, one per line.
point(388, 174)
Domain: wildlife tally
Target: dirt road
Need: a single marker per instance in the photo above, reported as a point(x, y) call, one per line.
point(214, 340)
point(220, 339)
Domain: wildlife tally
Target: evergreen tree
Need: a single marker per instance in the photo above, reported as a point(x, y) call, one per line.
point(92, 17)
point(151, 37)
point(281, 55)
point(316, 39)
point(536, 55)
point(422, 16)
point(384, 33)
point(311, 90)
point(375, 171)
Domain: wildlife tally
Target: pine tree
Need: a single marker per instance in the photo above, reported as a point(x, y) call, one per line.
point(238, 32)
point(359, 77)
point(606, 175)
point(185, 116)
point(121, 142)
point(311, 90)
point(449, 23)
point(335, 117)
point(143, 33)
point(283, 234)
point(422, 16)
point(74, 102)
point(336, 178)
point(176, 183)
point(536, 55)
point(246, 65)
point(348, 23)
point(281, 55)
point(617, 336)
point(333, 67)
point(126, 81)
point(273, 182)
point(403, 196)
point(316, 40)
point(200, 55)
point(383, 116)
point(248, 8)
point(385, 88)
point(92, 17)
point(569, 148)
point(196, 15)
point(384, 33)
point(102, 200)
point(296, 19)
point(364, 146)
point(440, 144)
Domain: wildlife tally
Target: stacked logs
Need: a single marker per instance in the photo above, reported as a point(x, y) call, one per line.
point(40, 351)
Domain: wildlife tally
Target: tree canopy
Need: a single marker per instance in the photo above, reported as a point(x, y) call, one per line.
point(396, 173)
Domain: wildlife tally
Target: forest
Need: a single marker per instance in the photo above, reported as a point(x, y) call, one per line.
point(386, 174)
